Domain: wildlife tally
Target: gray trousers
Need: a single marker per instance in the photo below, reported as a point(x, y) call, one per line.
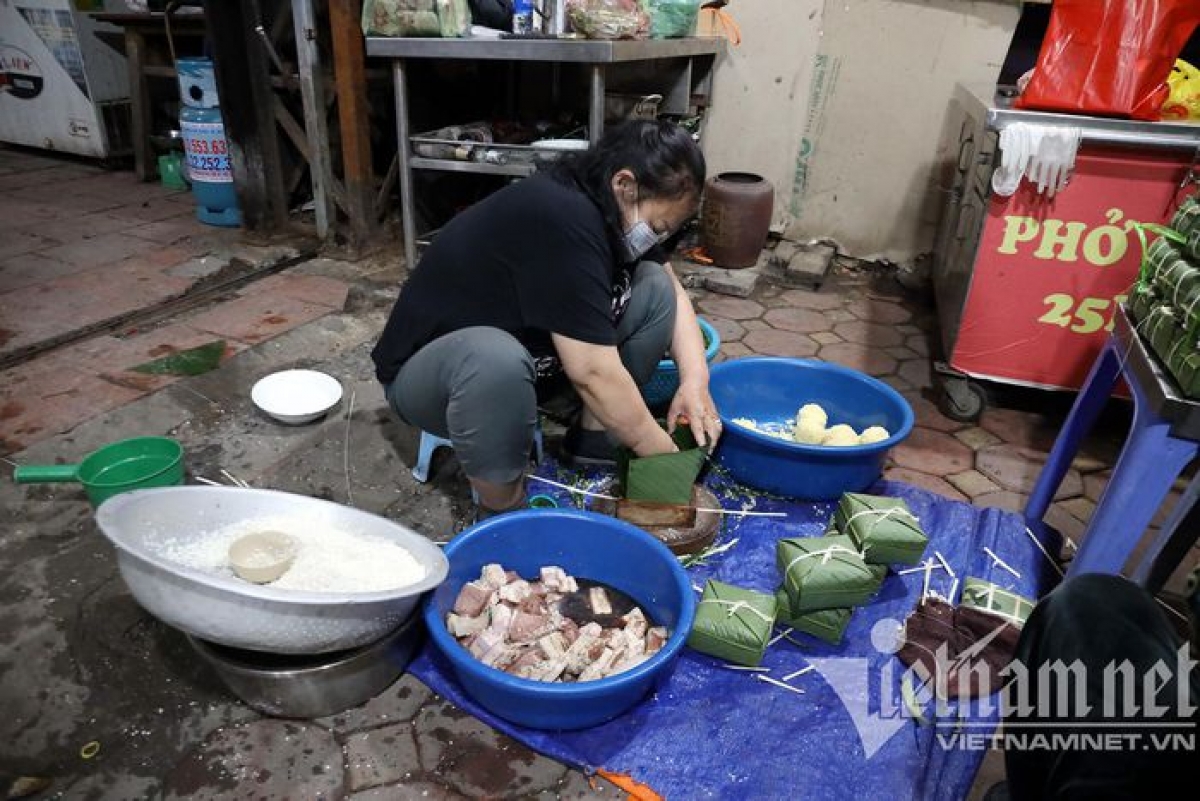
point(476, 386)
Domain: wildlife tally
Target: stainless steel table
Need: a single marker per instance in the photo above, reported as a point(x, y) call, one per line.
point(597, 54)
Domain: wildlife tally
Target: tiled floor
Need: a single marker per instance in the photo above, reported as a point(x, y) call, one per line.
point(82, 246)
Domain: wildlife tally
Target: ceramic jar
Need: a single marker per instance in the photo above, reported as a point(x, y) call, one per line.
point(735, 218)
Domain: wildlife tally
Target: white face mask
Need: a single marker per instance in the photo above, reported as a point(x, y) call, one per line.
point(640, 237)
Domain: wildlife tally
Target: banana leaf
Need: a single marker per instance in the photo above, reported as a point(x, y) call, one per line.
point(825, 573)
point(1159, 257)
point(1187, 217)
point(884, 529)
point(193, 361)
point(665, 478)
point(732, 623)
point(993, 598)
point(1185, 367)
point(1142, 298)
point(827, 624)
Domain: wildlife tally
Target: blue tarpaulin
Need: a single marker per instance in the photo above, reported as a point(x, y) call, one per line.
point(713, 732)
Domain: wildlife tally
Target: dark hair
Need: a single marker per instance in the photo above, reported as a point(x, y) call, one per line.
point(662, 156)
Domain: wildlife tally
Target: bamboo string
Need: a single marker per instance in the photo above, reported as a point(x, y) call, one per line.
point(778, 683)
point(604, 497)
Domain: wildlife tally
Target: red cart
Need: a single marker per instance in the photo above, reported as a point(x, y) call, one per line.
point(1027, 286)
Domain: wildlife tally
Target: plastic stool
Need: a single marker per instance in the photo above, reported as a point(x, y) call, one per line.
point(431, 442)
point(1163, 440)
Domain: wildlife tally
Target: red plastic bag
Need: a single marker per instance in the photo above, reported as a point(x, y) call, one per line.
point(1109, 58)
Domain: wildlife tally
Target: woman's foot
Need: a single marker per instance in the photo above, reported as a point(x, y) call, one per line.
point(583, 447)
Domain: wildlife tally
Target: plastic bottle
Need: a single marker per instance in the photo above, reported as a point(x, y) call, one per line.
point(522, 21)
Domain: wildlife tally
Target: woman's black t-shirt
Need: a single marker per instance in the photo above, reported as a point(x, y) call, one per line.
point(532, 259)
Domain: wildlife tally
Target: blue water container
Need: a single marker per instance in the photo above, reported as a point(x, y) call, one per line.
point(204, 144)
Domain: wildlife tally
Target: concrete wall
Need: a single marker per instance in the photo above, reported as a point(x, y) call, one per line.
point(760, 93)
point(840, 103)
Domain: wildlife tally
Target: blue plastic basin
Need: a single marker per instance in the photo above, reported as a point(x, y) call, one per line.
point(772, 390)
point(586, 545)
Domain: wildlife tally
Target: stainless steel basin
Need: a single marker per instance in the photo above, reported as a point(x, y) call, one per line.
point(224, 610)
point(314, 686)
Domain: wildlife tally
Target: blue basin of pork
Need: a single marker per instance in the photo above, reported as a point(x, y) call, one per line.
point(585, 545)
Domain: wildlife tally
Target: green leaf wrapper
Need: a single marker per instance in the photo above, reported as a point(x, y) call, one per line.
point(993, 598)
point(732, 623)
point(826, 624)
point(884, 529)
point(825, 573)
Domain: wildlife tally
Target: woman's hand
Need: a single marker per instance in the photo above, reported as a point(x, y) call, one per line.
point(693, 404)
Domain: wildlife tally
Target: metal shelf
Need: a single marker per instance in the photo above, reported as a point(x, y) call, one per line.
point(1168, 134)
point(583, 51)
point(597, 55)
point(450, 165)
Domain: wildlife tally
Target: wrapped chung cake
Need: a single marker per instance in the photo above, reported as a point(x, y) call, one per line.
point(732, 623)
point(825, 573)
point(827, 624)
point(884, 529)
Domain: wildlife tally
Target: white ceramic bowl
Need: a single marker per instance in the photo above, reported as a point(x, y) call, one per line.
point(296, 396)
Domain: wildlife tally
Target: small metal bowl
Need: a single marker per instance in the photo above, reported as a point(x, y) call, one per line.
point(301, 686)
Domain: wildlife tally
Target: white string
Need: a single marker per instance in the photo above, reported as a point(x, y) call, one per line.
point(602, 496)
point(576, 490)
point(918, 569)
point(1169, 609)
point(799, 672)
point(746, 514)
point(778, 684)
point(825, 553)
point(1042, 548)
point(1000, 562)
point(346, 450)
point(735, 606)
point(728, 666)
point(237, 482)
point(881, 514)
point(779, 637)
point(945, 564)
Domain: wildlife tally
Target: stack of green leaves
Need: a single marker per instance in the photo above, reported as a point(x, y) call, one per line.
point(827, 624)
point(1186, 222)
point(1160, 256)
point(1179, 285)
point(1142, 298)
point(1174, 345)
point(732, 623)
point(825, 573)
point(1161, 329)
point(1185, 367)
point(1165, 302)
point(993, 598)
point(883, 529)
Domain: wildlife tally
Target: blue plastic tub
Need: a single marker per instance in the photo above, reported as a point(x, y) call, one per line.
point(770, 390)
point(586, 545)
point(665, 382)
